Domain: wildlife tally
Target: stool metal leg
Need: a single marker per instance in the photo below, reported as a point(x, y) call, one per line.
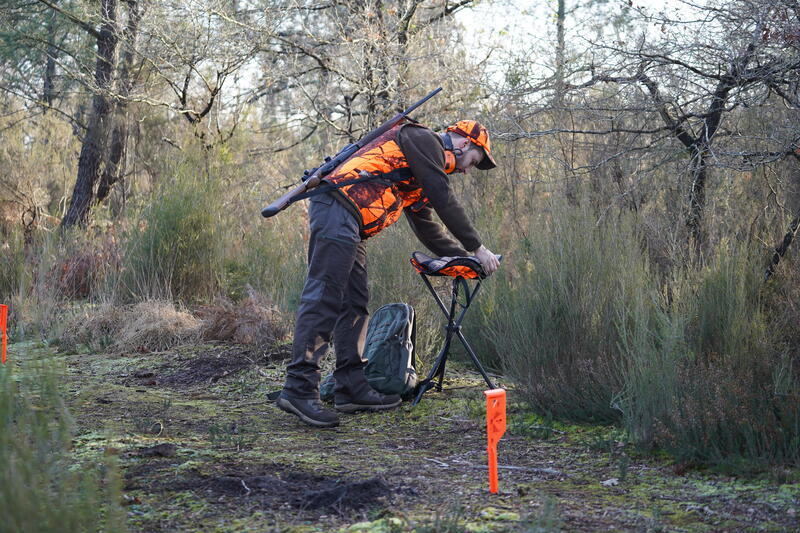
point(437, 370)
point(453, 326)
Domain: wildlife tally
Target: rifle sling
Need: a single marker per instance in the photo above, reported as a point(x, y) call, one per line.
point(397, 175)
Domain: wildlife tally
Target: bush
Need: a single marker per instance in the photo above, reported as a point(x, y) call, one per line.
point(272, 258)
point(41, 487)
point(54, 270)
point(725, 390)
point(81, 262)
point(555, 313)
point(12, 265)
point(702, 366)
point(175, 249)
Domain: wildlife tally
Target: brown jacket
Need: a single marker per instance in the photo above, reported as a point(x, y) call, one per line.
point(424, 152)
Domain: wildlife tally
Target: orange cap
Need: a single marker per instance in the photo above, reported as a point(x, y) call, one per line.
point(479, 135)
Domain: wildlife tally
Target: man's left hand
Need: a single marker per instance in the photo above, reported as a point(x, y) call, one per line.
point(488, 260)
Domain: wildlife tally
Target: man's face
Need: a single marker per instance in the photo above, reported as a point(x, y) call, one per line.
point(470, 156)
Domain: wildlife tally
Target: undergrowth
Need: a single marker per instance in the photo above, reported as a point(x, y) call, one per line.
point(42, 488)
point(702, 365)
point(175, 248)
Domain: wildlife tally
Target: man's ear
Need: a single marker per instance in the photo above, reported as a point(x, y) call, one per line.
point(461, 143)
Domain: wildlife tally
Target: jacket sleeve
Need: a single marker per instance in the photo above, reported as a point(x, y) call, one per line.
point(431, 234)
point(425, 156)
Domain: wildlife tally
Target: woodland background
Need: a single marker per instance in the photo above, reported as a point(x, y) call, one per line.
point(647, 193)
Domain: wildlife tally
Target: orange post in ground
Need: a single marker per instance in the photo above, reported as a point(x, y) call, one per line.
point(495, 427)
point(3, 332)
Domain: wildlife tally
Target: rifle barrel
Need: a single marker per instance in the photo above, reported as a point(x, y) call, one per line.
point(345, 153)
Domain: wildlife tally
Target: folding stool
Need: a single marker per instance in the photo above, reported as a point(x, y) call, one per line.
point(460, 269)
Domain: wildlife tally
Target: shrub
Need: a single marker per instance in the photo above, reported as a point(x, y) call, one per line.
point(175, 249)
point(41, 487)
point(55, 269)
point(12, 265)
point(273, 256)
point(81, 262)
point(702, 366)
point(726, 390)
point(554, 321)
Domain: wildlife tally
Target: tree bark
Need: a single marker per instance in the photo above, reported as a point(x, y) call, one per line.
point(697, 197)
point(48, 87)
point(115, 166)
point(560, 54)
point(780, 250)
point(91, 155)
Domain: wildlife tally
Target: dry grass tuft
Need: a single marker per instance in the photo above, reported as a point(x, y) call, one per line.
point(95, 327)
point(156, 325)
point(149, 326)
point(254, 321)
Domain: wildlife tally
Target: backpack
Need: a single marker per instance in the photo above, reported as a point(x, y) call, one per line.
point(389, 351)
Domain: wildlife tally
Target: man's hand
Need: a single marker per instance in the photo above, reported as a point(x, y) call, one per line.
point(488, 260)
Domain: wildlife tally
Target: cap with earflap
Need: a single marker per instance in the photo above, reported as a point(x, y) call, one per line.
point(479, 135)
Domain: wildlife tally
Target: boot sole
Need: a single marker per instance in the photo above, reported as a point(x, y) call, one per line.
point(354, 407)
point(285, 405)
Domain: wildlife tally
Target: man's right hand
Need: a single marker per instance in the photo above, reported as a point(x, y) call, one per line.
point(488, 260)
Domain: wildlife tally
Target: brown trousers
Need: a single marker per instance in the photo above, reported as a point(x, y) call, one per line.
point(333, 305)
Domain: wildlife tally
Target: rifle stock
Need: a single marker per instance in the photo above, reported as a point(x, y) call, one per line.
point(283, 202)
point(344, 154)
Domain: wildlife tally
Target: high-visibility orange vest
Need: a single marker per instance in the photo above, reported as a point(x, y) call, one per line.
point(379, 202)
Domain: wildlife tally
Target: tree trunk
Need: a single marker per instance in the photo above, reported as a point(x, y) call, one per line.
point(48, 87)
point(780, 250)
point(697, 197)
point(560, 54)
point(115, 166)
point(92, 149)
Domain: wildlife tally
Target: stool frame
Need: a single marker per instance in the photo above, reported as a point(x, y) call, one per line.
point(452, 328)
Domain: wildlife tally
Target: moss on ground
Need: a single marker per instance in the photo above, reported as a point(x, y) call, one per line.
point(201, 448)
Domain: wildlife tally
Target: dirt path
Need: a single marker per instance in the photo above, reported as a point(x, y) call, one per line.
point(202, 449)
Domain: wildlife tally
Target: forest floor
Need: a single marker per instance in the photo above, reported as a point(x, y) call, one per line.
point(201, 448)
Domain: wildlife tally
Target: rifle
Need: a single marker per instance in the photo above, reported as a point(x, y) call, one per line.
point(313, 177)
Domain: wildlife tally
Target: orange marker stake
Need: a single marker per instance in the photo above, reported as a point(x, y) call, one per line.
point(495, 427)
point(3, 332)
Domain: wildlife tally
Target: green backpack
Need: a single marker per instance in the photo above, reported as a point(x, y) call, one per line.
point(389, 351)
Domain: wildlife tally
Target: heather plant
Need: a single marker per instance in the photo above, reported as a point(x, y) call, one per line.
point(42, 279)
point(272, 257)
point(12, 264)
point(730, 392)
point(174, 250)
point(701, 365)
point(42, 488)
point(556, 327)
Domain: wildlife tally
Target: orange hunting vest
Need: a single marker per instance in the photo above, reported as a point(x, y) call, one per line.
point(379, 202)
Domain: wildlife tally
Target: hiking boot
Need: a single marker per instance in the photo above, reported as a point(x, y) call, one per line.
point(367, 400)
point(311, 411)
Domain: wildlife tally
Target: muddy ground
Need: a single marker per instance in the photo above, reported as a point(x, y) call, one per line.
point(201, 448)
